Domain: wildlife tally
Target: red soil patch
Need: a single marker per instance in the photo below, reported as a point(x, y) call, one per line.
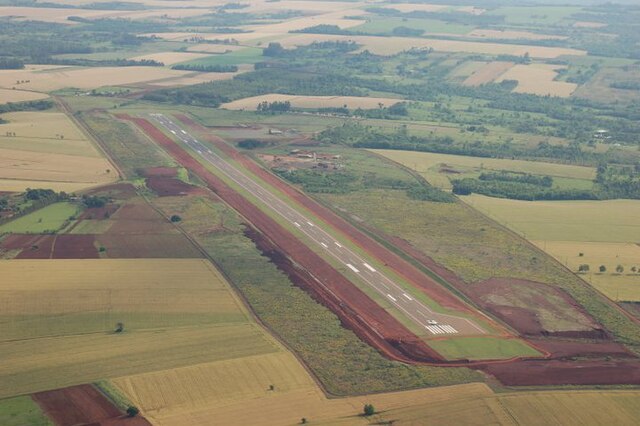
point(434, 290)
point(522, 304)
point(83, 405)
point(139, 218)
point(65, 246)
point(32, 246)
point(99, 212)
point(168, 187)
point(72, 246)
point(550, 372)
point(569, 349)
point(370, 321)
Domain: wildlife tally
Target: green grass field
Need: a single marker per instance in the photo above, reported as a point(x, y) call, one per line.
point(536, 15)
point(48, 219)
point(22, 411)
point(482, 348)
point(429, 26)
point(248, 55)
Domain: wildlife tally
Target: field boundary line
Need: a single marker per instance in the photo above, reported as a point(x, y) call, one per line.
point(91, 136)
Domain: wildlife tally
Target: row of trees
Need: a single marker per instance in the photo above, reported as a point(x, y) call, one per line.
point(584, 268)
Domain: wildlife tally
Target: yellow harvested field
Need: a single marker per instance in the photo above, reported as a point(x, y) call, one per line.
point(538, 79)
point(416, 7)
point(488, 73)
point(393, 45)
point(573, 407)
point(587, 24)
point(199, 77)
point(513, 35)
point(44, 125)
point(57, 317)
point(471, 9)
point(596, 221)
point(320, 7)
point(333, 18)
point(9, 95)
point(213, 48)
point(251, 104)
point(243, 38)
point(48, 151)
point(56, 78)
point(170, 58)
point(49, 287)
point(624, 286)
point(428, 165)
point(61, 15)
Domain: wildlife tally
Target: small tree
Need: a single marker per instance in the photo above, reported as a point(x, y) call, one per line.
point(119, 327)
point(602, 268)
point(132, 411)
point(175, 218)
point(583, 268)
point(303, 421)
point(634, 269)
point(369, 410)
point(619, 269)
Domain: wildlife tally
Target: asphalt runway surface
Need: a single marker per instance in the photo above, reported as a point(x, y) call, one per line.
point(437, 324)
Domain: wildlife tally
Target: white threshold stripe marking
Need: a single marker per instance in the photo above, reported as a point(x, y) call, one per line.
point(296, 224)
point(369, 267)
point(407, 296)
point(310, 224)
point(391, 297)
point(324, 245)
point(338, 244)
point(353, 268)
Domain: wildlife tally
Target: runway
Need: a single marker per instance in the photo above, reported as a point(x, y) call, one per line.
point(356, 267)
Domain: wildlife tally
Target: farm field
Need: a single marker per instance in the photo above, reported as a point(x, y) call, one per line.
point(487, 73)
point(429, 26)
point(482, 348)
point(22, 411)
point(436, 168)
point(611, 221)
point(48, 150)
point(169, 324)
point(10, 95)
point(85, 78)
point(393, 45)
point(352, 102)
point(622, 286)
point(170, 58)
point(538, 79)
point(48, 219)
point(512, 35)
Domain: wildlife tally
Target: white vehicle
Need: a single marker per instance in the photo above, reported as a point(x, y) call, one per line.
point(432, 322)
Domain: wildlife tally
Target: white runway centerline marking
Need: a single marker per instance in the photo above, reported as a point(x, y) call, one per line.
point(407, 296)
point(296, 224)
point(338, 244)
point(369, 267)
point(391, 297)
point(353, 268)
point(310, 224)
point(324, 245)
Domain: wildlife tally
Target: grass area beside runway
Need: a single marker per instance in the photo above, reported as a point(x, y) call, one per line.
point(22, 411)
point(482, 348)
point(342, 362)
point(51, 219)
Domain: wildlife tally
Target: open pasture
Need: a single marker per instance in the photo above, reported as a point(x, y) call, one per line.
point(10, 95)
point(617, 286)
point(213, 48)
point(351, 102)
point(538, 79)
point(541, 15)
point(596, 221)
point(22, 411)
point(482, 348)
point(58, 318)
point(437, 168)
point(393, 45)
point(47, 219)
